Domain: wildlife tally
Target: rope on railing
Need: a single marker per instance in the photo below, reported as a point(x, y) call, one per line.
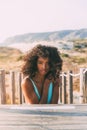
point(72, 74)
point(84, 71)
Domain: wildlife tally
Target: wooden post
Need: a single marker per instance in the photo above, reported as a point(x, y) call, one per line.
point(21, 96)
point(2, 87)
point(19, 87)
point(60, 90)
point(12, 85)
point(23, 99)
point(70, 87)
point(85, 86)
point(63, 88)
point(81, 86)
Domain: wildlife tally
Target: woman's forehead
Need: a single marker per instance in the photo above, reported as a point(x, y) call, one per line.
point(43, 59)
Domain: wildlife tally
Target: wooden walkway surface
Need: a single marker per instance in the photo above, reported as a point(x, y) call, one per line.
point(43, 117)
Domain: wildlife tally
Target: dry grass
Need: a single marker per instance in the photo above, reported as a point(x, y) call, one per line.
point(10, 59)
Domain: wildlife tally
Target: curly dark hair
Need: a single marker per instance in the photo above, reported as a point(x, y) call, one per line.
point(30, 61)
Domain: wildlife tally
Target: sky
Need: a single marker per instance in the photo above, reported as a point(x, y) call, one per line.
point(28, 16)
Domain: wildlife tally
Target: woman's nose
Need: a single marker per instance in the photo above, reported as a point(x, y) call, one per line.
point(44, 66)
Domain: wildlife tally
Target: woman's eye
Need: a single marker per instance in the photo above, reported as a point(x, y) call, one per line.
point(39, 62)
point(47, 63)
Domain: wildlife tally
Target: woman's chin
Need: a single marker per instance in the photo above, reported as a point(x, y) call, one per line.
point(43, 73)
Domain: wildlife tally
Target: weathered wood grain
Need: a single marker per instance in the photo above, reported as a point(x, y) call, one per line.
point(43, 117)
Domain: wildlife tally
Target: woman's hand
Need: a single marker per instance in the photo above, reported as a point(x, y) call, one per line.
point(45, 91)
point(55, 92)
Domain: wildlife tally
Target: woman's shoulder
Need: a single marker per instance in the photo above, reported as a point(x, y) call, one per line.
point(26, 81)
point(56, 82)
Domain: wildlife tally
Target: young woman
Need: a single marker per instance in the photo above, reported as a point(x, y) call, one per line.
point(41, 69)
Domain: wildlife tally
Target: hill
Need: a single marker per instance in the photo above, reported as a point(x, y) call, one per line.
point(46, 36)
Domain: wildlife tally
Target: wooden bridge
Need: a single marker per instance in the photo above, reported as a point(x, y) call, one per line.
point(43, 117)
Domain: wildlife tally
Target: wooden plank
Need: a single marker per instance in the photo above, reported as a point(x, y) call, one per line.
point(63, 88)
point(43, 117)
point(2, 87)
point(70, 87)
point(12, 86)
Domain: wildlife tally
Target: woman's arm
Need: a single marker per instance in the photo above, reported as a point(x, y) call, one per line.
point(28, 92)
point(30, 96)
point(45, 92)
point(55, 92)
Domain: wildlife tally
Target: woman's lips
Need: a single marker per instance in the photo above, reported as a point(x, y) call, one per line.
point(43, 71)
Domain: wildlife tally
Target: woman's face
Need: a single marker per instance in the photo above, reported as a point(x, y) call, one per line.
point(43, 65)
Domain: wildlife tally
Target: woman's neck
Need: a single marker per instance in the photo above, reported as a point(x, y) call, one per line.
point(39, 78)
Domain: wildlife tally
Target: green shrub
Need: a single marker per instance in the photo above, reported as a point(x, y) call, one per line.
point(79, 60)
point(20, 58)
point(64, 55)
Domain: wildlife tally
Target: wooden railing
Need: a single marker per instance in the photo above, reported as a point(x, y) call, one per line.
point(10, 87)
point(67, 91)
point(11, 93)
